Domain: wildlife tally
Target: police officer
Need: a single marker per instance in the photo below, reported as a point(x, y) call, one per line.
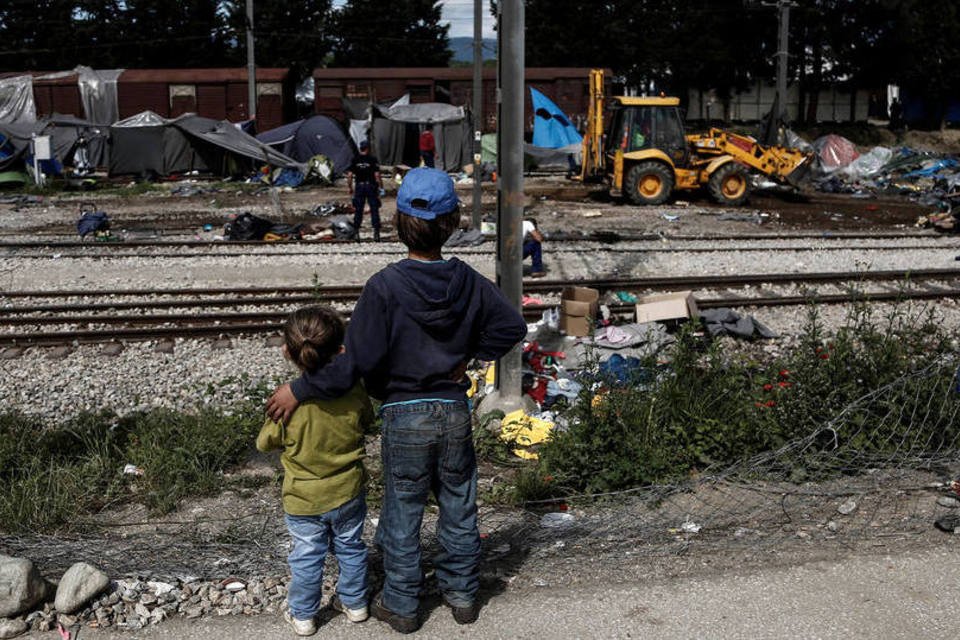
point(365, 170)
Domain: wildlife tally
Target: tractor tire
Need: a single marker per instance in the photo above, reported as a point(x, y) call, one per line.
point(730, 185)
point(648, 182)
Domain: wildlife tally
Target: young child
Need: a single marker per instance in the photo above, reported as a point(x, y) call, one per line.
point(323, 478)
point(416, 325)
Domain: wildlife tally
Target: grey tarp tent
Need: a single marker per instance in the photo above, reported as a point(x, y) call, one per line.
point(303, 139)
point(150, 144)
point(396, 131)
point(64, 132)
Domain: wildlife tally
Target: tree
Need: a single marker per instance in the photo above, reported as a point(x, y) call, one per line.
point(296, 34)
point(30, 43)
point(174, 33)
point(391, 33)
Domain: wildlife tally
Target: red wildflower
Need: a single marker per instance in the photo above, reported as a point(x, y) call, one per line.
point(769, 403)
point(548, 478)
point(767, 387)
point(784, 373)
point(824, 356)
point(784, 385)
point(563, 506)
point(758, 404)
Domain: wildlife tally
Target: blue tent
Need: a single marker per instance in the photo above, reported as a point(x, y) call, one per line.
point(303, 139)
point(551, 127)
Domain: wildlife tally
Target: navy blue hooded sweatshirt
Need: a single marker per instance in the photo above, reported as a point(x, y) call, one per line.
point(414, 324)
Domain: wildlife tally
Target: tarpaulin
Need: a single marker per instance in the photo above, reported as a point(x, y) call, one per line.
point(16, 100)
point(834, 152)
point(98, 92)
point(552, 129)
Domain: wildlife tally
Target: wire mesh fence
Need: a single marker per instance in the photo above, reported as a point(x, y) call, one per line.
point(880, 467)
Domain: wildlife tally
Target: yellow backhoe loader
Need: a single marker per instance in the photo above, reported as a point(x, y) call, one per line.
point(645, 155)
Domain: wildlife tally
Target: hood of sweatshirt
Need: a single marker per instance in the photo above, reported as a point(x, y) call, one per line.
point(435, 294)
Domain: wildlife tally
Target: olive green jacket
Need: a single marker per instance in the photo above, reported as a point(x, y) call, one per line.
point(322, 452)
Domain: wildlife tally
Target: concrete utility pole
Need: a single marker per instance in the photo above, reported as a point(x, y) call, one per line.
point(477, 108)
point(510, 198)
point(783, 47)
point(251, 67)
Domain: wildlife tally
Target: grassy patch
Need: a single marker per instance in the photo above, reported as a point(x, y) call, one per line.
point(53, 474)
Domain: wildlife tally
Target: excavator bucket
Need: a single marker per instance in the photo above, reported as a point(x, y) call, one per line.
point(796, 177)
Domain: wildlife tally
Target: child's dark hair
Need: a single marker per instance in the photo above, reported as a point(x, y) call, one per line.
point(426, 235)
point(313, 335)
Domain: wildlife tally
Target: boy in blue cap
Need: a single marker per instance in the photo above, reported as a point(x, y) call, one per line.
point(415, 327)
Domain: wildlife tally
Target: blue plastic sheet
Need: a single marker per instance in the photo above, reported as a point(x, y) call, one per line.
point(552, 129)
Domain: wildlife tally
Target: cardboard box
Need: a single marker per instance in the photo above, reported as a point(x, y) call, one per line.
point(579, 301)
point(667, 306)
point(576, 325)
point(578, 309)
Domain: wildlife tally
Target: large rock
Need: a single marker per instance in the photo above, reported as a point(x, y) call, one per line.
point(21, 586)
point(12, 628)
point(78, 586)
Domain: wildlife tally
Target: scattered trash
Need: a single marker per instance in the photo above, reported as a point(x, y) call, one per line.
point(92, 221)
point(690, 527)
point(949, 524)
point(723, 321)
point(132, 470)
point(556, 520)
point(669, 218)
point(948, 501)
point(591, 213)
point(847, 508)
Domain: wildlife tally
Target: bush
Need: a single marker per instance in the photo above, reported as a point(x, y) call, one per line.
point(709, 409)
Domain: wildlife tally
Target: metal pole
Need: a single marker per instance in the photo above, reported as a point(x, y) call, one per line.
point(510, 198)
point(477, 109)
point(782, 54)
point(251, 67)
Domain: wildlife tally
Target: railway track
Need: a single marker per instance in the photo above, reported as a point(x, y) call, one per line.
point(86, 326)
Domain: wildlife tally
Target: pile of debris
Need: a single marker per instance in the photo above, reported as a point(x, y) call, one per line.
point(578, 351)
point(925, 177)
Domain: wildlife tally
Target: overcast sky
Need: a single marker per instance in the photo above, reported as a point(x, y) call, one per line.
point(459, 13)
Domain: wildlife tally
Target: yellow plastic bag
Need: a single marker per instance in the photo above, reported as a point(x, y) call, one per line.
point(525, 431)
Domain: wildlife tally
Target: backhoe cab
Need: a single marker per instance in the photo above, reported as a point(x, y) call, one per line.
point(645, 155)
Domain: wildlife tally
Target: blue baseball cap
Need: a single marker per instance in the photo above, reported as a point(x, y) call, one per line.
point(427, 193)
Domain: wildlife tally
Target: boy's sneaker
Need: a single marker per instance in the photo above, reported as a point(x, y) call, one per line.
point(464, 615)
point(301, 627)
point(401, 624)
point(353, 615)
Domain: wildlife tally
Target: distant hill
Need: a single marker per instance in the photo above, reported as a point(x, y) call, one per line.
point(463, 49)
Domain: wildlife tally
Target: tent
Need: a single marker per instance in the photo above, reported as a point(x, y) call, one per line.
point(303, 139)
point(397, 127)
point(552, 128)
point(65, 132)
point(150, 144)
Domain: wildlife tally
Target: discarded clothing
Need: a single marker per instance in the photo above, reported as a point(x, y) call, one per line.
point(725, 321)
point(525, 431)
point(565, 387)
point(462, 238)
point(624, 370)
point(629, 335)
point(92, 222)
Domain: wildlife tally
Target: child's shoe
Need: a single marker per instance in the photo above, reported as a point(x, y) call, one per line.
point(300, 627)
point(353, 615)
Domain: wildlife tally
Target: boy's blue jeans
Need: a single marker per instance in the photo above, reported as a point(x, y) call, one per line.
point(428, 446)
point(366, 192)
point(313, 536)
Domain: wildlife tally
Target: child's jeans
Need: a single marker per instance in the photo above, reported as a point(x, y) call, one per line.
point(428, 447)
point(313, 537)
point(534, 249)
